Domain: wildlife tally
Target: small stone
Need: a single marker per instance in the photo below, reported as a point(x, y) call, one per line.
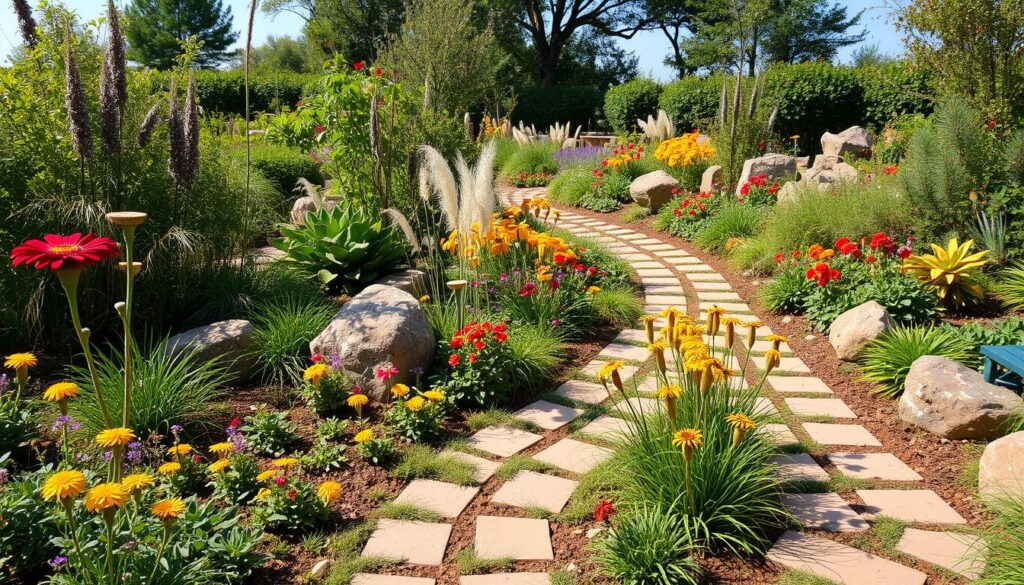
point(852, 330)
point(320, 568)
point(653, 190)
point(594, 532)
point(1001, 469)
point(809, 337)
point(578, 531)
point(571, 567)
point(787, 319)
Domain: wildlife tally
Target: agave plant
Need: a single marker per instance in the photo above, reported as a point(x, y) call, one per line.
point(948, 271)
point(345, 247)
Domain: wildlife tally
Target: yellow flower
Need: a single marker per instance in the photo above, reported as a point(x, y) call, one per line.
point(284, 462)
point(168, 510)
point(357, 400)
point(105, 496)
point(752, 332)
point(434, 395)
point(263, 494)
point(714, 319)
point(740, 421)
point(364, 436)
point(425, 299)
point(222, 449)
point(610, 371)
point(399, 390)
point(772, 359)
point(20, 361)
point(777, 341)
point(329, 491)
point(180, 450)
point(219, 465)
point(688, 440)
point(137, 482)
point(116, 437)
point(795, 137)
point(649, 326)
point(593, 290)
point(60, 392)
point(268, 474)
point(315, 373)
point(171, 468)
point(670, 391)
point(415, 403)
point(64, 485)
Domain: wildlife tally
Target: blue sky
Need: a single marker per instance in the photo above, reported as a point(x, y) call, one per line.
point(651, 47)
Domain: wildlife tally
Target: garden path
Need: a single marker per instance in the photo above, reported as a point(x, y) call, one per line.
point(803, 403)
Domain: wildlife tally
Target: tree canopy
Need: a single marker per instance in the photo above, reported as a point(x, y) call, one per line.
point(156, 30)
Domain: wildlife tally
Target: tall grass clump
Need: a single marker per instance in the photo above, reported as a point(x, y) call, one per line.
point(887, 359)
point(530, 158)
point(648, 546)
point(282, 330)
point(618, 305)
point(1005, 539)
point(733, 222)
point(571, 185)
point(1010, 287)
point(534, 353)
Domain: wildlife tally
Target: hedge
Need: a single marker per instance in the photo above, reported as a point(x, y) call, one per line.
point(282, 166)
point(625, 104)
point(814, 98)
point(692, 102)
point(223, 92)
point(893, 89)
point(543, 106)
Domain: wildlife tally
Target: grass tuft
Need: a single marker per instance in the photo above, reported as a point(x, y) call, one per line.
point(407, 511)
point(420, 461)
point(471, 564)
point(495, 417)
point(796, 577)
point(517, 463)
point(347, 546)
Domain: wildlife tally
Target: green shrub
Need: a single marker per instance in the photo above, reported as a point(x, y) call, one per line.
point(270, 433)
point(224, 91)
point(533, 355)
point(571, 185)
point(692, 102)
point(282, 331)
point(237, 289)
point(1008, 332)
point(17, 427)
point(282, 166)
point(618, 305)
point(887, 359)
point(732, 222)
point(785, 293)
point(544, 106)
point(530, 158)
point(648, 546)
point(624, 104)
point(894, 89)
point(1010, 287)
point(686, 216)
point(504, 149)
point(1005, 538)
point(28, 530)
point(595, 201)
point(345, 247)
point(904, 297)
point(635, 213)
point(171, 387)
point(814, 98)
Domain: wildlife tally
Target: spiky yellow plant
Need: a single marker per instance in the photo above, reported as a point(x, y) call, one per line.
point(947, 271)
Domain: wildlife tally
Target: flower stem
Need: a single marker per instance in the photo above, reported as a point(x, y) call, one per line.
point(110, 549)
point(126, 318)
point(160, 552)
point(74, 538)
point(69, 280)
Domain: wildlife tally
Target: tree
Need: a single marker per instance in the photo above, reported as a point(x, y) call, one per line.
point(285, 53)
point(594, 59)
point(156, 30)
point(355, 29)
point(870, 56)
point(809, 30)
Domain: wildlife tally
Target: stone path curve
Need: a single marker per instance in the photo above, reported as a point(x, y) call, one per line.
point(673, 277)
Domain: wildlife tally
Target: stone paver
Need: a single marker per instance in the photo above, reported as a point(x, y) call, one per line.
point(798, 384)
point(672, 253)
point(820, 407)
point(526, 539)
point(840, 563)
point(374, 579)
point(447, 499)
point(963, 554)
point(825, 511)
point(873, 466)
point(506, 579)
point(779, 432)
point(647, 272)
point(731, 308)
point(607, 427)
point(548, 415)
point(786, 364)
point(664, 289)
point(910, 505)
point(648, 263)
point(529, 489)
point(485, 468)
point(705, 277)
point(622, 351)
point(718, 296)
point(594, 366)
point(835, 434)
point(587, 392)
point(710, 286)
point(799, 466)
point(572, 455)
point(633, 335)
point(763, 345)
point(419, 543)
point(502, 441)
point(660, 280)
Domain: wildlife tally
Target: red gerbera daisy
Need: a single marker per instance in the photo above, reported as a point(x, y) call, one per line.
point(57, 252)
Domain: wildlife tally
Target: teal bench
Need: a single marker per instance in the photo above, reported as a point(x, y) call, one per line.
point(1004, 365)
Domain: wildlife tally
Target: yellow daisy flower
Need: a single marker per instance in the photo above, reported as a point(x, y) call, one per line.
point(21, 361)
point(267, 475)
point(434, 395)
point(416, 403)
point(329, 491)
point(137, 482)
point(171, 468)
point(219, 465)
point(105, 496)
point(168, 510)
point(64, 485)
point(399, 390)
point(116, 437)
point(284, 462)
point(364, 436)
point(60, 392)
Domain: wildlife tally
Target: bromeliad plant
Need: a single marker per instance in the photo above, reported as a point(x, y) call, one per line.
point(947, 271)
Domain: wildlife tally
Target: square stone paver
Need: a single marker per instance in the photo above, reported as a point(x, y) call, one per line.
point(798, 383)
point(419, 543)
point(673, 253)
point(963, 554)
point(825, 511)
point(592, 368)
point(873, 466)
point(610, 428)
point(711, 286)
point(374, 579)
point(580, 391)
point(659, 280)
point(705, 277)
point(657, 247)
point(664, 289)
point(506, 579)
point(833, 434)
point(525, 539)
point(634, 335)
point(530, 489)
point(729, 307)
point(910, 505)
point(622, 351)
point(502, 441)
point(778, 431)
point(786, 364)
point(718, 296)
point(662, 299)
point(645, 272)
point(647, 263)
point(840, 563)
point(485, 468)
point(447, 499)
point(548, 415)
point(572, 455)
point(833, 407)
point(799, 466)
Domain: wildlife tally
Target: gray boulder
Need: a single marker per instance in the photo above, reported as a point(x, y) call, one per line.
point(653, 190)
point(852, 330)
point(775, 166)
point(854, 140)
point(1001, 469)
point(379, 325)
point(711, 178)
point(307, 203)
point(412, 281)
point(229, 342)
point(954, 401)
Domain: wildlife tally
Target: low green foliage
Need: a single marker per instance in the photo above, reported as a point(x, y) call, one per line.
point(1010, 287)
point(282, 330)
point(283, 166)
point(635, 213)
point(324, 457)
point(516, 463)
point(733, 222)
point(600, 482)
point(533, 354)
point(422, 462)
point(407, 511)
point(618, 305)
point(270, 433)
point(471, 564)
point(785, 293)
point(495, 417)
point(1008, 332)
point(887, 359)
point(530, 158)
point(571, 185)
point(27, 531)
point(795, 577)
point(347, 546)
point(238, 484)
point(648, 545)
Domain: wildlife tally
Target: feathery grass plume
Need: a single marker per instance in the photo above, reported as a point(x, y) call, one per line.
point(424, 189)
point(190, 133)
point(467, 121)
point(177, 150)
point(398, 219)
point(26, 23)
point(74, 101)
point(115, 58)
point(443, 182)
point(484, 184)
point(110, 114)
point(467, 209)
point(146, 128)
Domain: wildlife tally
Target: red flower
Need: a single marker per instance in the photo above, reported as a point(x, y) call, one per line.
point(292, 494)
point(592, 271)
point(890, 170)
point(280, 481)
point(881, 241)
point(457, 342)
point(472, 358)
point(774, 188)
point(745, 189)
point(359, 65)
point(236, 422)
point(501, 336)
point(501, 327)
point(377, 72)
point(72, 252)
point(779, 257)
point(298, 104)
point(559, 258)
point(675, 190)
point(319, 130)
point(795, 253)
point(387, 373)
point(870, 259)
point(454, 359)
point(480, 346)
point(822, 274)
point(316, 358)
point(604, 510)
point(991, 124)
point(904, 252)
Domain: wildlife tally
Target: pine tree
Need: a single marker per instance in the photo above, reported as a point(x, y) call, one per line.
point(156, 29)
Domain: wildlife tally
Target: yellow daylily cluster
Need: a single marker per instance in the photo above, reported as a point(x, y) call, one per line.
point(685, 150)
point(505, 234)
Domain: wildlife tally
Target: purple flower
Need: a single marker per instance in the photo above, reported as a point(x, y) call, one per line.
point(238, 442)
point(335, 360)
point(134, 457)
point(503, 279)
point(73, 426)
point(559, 276)
point(176, 429)
point(516, 272)
point(568, 157)
point(555, 322)
point(108, 455)
point(5, 383)
point(417, 371)
point(58, 561)
point(4, 475)
point(60, 423)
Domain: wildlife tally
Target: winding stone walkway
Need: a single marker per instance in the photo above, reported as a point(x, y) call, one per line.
point(806, 412)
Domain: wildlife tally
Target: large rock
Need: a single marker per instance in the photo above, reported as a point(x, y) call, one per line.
point(653, 190)
point(307, 203)
point(229, 342)
point(775, 166)
point(1001, 469)
point(852, 330)
point(954, 401)
point(379, 325)
point(854, 140)
point(412, 281)
point(711, 179)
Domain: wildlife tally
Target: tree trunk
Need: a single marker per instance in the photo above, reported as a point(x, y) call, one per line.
point(548, 58)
